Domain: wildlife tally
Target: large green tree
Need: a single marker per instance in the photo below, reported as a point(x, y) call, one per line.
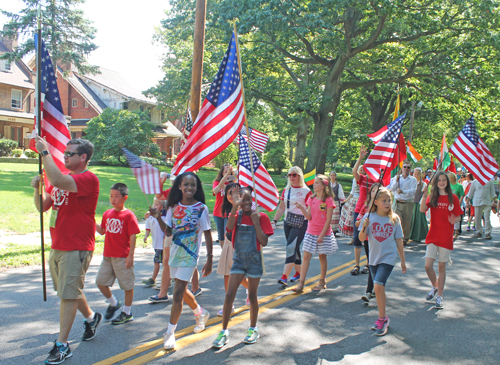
point(306, 57)
point(66, 32)
point(116, 129)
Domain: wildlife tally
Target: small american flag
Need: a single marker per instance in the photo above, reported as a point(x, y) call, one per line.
point(148, 177)
point(384, 156)
point(265, 189)
point(258, 140)
point(471, 151)
point(188, 125)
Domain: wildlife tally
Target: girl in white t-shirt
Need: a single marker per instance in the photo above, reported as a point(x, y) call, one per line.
point(383, 229)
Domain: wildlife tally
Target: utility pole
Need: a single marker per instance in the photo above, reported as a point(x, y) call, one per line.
point(198, 50)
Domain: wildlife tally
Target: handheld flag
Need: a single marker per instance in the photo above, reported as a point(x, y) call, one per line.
point(310, 177)
point(385, 155)
point(54, 125)
point(444, 156)
point(188, 125)
point(265, 189)
point(220, 118)
point(258, 140)
point(396, 109)
point(148, 177)
point(415, 156)
point(471, 151)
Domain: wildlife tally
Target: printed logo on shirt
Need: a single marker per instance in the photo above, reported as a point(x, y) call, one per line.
point(59, 197)
point(114, 225)
point(443, 206)
point(322, 207)
point(381, 233)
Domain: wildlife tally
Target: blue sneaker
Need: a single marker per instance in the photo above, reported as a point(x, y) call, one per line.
point(158, 299)
point(252, 336)
point(283, 280)
point(58, 354)
point(296, 277)
point(221, 340)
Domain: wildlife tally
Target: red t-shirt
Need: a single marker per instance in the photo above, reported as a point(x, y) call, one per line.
point(363, 191)
point(264, 221)
point(75, 224)
point(165, 193)
point(441, 230)
point(118, 227)
point(219, 199)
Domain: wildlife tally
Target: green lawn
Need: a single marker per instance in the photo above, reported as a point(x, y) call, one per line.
point(18, 213)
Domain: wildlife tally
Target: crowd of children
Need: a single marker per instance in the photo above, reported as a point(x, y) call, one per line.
point(179, 220)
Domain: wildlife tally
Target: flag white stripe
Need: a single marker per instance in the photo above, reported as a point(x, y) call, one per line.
point(56, 114)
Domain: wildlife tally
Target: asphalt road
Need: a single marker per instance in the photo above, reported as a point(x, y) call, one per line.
point(332, 326)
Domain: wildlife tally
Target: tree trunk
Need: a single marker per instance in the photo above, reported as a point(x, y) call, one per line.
point(300, 150)
point(290, 149)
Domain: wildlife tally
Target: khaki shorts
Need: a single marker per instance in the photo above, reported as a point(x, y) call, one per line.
point(68, 269)
point(440, 254)
point(167, 241)
point(115, 268)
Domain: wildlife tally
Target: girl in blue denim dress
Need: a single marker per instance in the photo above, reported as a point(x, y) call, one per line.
point(249, 231)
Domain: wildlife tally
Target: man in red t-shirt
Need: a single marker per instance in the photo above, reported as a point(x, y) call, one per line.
point(73, 199)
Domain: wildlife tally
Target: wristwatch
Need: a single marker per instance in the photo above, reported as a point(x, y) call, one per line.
point(275, 221)
point(44, 153)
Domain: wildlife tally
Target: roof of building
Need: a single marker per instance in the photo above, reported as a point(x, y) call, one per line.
point(18, 75)
point(87, 93)
point(15, 114)
point(79, 122)
point(167, 130)
point(114, 81)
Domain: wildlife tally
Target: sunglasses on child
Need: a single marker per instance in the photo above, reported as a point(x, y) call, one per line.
point(292, 175)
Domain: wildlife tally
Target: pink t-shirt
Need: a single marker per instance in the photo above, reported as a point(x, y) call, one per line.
point(318, 213)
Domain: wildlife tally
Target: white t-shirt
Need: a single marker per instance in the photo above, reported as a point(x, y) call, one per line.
point(157, 234)
point(188, 222)
point(382, 236)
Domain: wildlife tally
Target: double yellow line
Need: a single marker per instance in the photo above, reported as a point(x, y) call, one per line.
point(182, 340)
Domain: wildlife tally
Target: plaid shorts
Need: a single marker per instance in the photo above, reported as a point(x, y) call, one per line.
point(158, 256)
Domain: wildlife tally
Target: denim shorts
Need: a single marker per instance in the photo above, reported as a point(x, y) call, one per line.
point(247, 263)
point(380, 273)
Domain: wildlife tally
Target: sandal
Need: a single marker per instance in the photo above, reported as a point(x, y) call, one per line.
point(321, 285)
point(365, 270)
point(299, 288)
point(355, 271)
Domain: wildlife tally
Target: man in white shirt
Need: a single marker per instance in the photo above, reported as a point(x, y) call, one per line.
point(403, 187)
point(482, 197)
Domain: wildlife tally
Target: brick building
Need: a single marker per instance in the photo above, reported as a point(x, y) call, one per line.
point(16, 97)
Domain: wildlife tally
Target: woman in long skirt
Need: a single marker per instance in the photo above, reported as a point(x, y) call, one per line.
point(346, 222)
point(419, 226)
point(338, 197)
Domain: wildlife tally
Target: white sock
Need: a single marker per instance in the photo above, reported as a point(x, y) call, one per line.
point(90, 318)
point(197, 310)
point(226, 332)
point(171, 328)
point(127, 309)
point(112, 300)
point(254, 328)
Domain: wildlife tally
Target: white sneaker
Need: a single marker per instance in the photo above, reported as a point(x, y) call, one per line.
point(366, 297)
point(439, 302)
point(201, 320)
point(169, 341)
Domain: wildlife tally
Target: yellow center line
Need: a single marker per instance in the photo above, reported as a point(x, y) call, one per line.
point(283, 296)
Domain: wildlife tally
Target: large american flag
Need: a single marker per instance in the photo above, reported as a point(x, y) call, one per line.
point(265, 190)
point(220, 118)
point(384, 156)
point(258, 140)
point(188, 125)
point(148, 177)
point(471, 151)
point(54, 124)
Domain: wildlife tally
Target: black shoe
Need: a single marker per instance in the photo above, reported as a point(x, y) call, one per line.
point(91, 328)
point(58, 354)
point(123, 318)
point(111, 311)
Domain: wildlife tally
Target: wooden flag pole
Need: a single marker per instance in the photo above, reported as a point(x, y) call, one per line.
point(198, 50)
point(39, 121)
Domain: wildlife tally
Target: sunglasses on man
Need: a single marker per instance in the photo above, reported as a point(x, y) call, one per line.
point(71, 154)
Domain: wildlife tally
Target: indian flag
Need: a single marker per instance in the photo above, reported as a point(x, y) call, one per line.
point(415, 156)
point(444, 156)
point(309, 177)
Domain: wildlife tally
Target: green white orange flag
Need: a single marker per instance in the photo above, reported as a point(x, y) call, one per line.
point(415, 156)
point(309, 177)
point(444, 156)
